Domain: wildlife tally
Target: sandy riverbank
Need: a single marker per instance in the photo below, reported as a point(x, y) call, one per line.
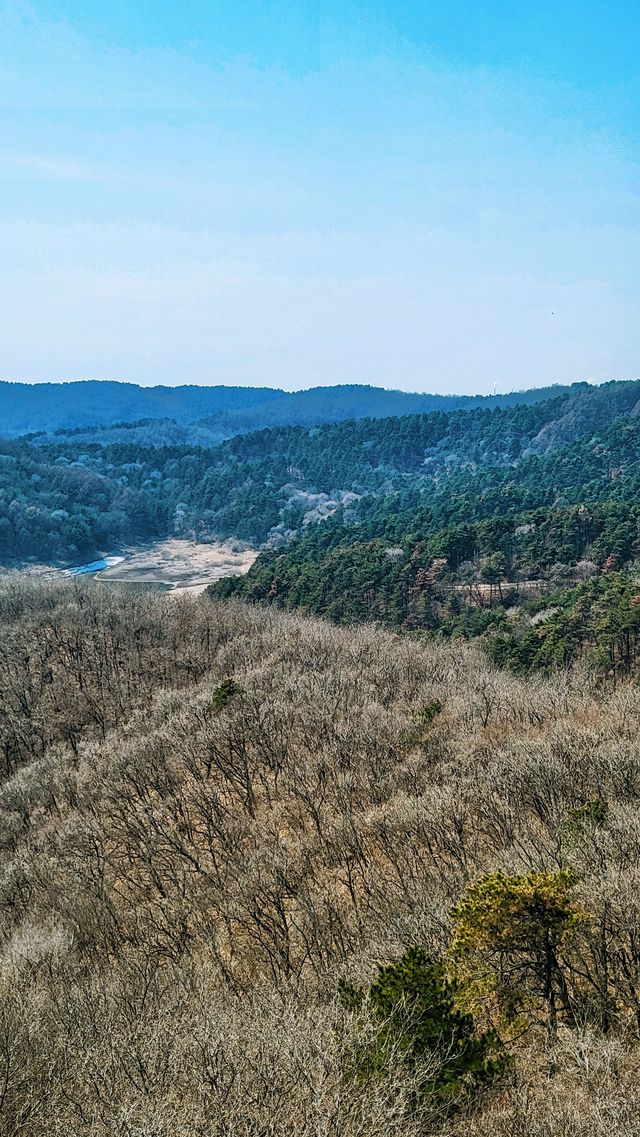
point(177, 566)
point(181, 566)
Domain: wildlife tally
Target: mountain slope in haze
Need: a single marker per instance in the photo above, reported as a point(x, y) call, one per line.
point(27, 407)
point(352, 402)
point(216, 412)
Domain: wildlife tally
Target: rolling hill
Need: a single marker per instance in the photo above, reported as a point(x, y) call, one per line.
point(215, 412)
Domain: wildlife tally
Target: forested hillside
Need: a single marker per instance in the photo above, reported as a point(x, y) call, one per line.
point(262, 875)
point(469, 510)
point(70, 495)
point(521, 526)
point(509, 523)
point(66, 500)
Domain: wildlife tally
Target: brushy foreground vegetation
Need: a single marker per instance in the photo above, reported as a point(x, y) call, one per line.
point(263, 875)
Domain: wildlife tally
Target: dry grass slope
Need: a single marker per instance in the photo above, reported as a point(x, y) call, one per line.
point(186, 871)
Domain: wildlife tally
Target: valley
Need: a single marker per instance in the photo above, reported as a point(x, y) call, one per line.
point(500, 522)
point(319, 789)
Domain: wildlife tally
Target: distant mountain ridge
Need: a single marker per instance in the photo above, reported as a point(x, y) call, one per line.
point(210, 414)
point(30, 407)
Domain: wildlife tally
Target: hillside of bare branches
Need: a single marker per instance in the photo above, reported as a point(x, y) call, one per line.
point(215, 818)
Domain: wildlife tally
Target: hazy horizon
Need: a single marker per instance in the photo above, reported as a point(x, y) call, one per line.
point(316, 386)
point(436, 197)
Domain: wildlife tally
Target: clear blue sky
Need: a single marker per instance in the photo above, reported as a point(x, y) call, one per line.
point(432, 195)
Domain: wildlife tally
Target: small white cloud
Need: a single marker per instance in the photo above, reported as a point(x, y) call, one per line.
point(52, 166)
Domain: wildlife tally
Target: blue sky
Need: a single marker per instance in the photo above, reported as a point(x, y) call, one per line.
point(433, 195)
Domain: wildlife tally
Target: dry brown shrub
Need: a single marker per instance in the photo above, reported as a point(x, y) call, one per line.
point(184, 877)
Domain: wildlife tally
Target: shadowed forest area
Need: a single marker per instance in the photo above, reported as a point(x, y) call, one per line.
point(266, 875)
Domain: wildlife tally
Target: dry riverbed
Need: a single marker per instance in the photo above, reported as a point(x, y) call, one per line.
point(178, 566)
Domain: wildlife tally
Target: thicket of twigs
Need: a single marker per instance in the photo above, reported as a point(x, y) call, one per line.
point(210, 814)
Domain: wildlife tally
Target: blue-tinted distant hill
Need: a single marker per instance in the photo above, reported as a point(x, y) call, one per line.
point(351, 402)
point(220, 412)
point(27, 407)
